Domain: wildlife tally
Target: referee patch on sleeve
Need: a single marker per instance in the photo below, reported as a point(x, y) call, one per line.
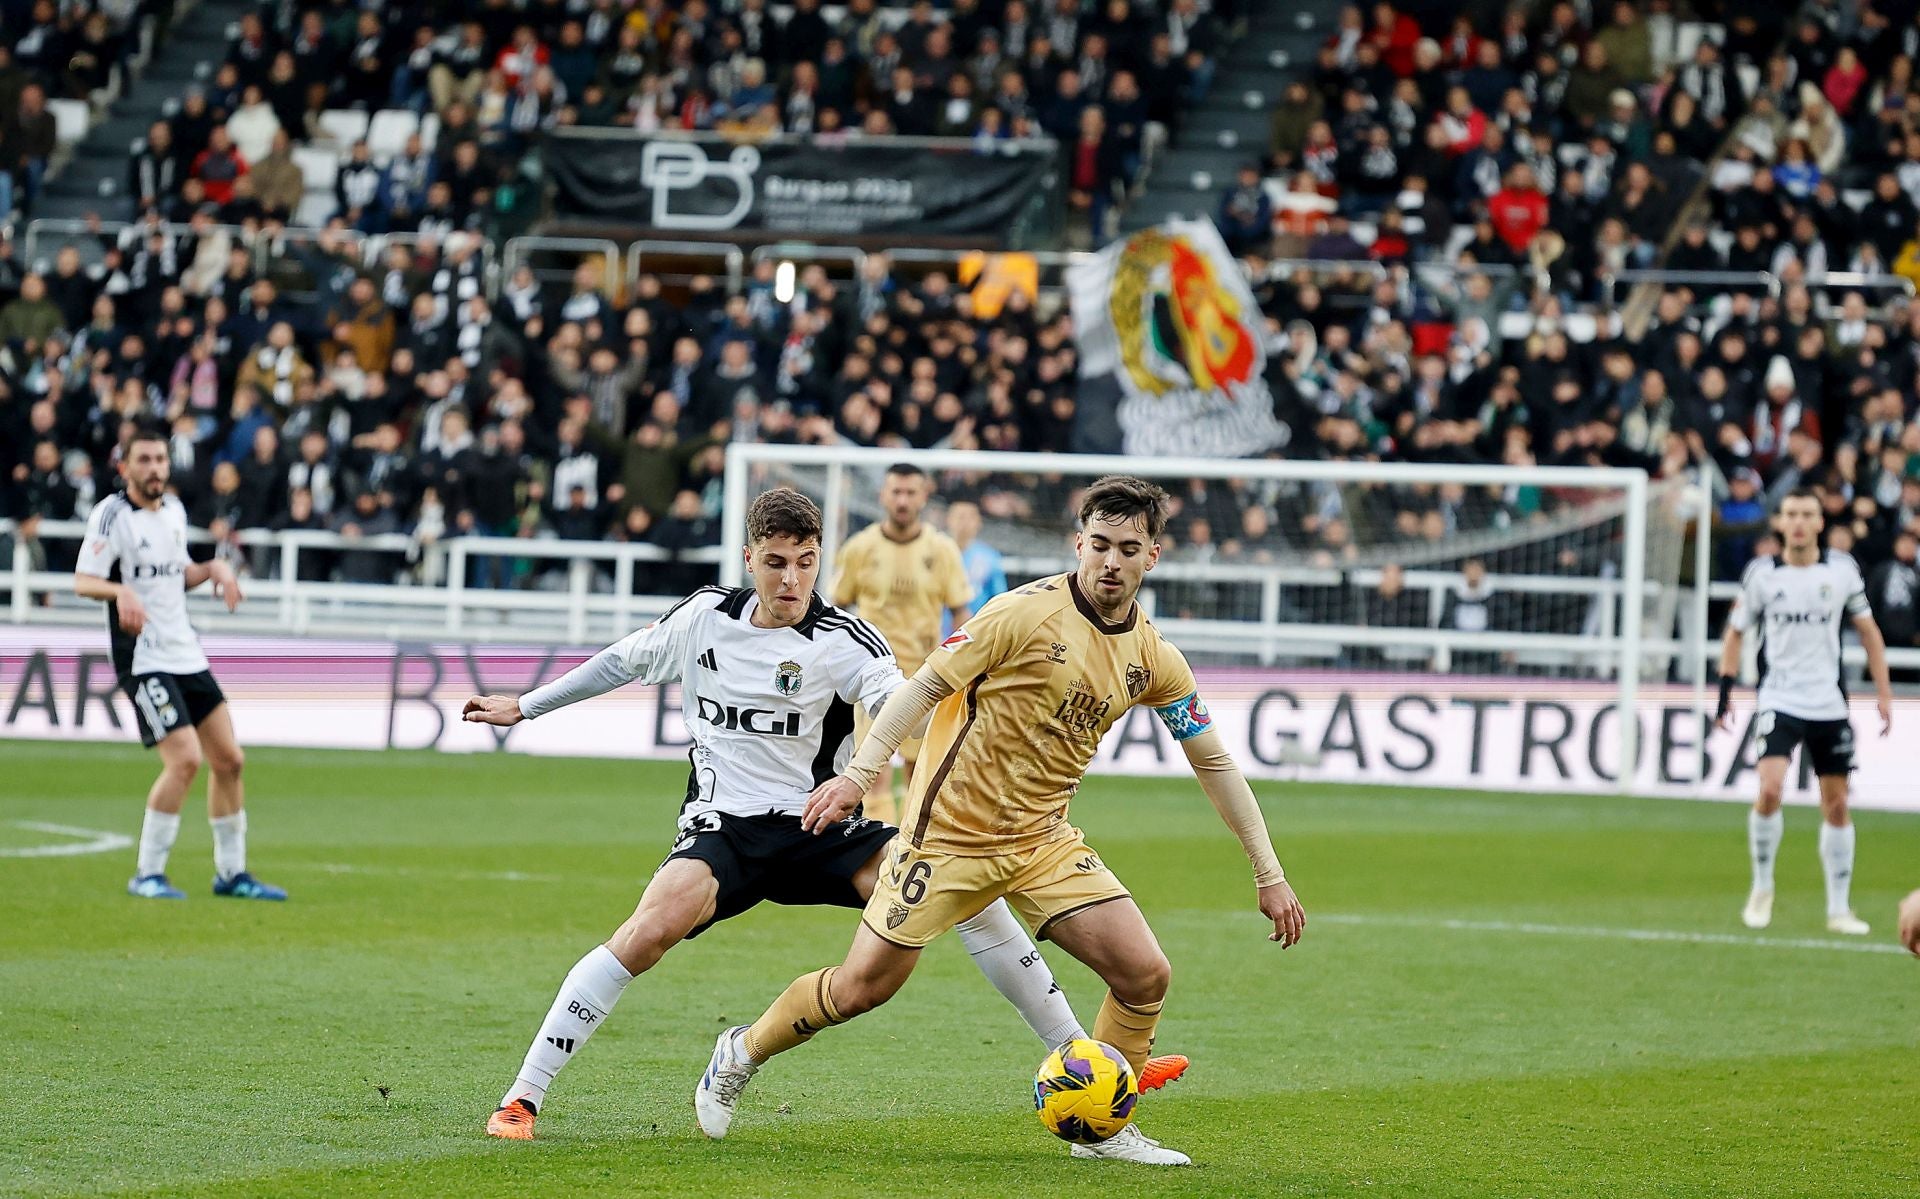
point(1186, 718)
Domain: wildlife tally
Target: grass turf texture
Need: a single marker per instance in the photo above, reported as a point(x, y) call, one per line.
point(353, 1040)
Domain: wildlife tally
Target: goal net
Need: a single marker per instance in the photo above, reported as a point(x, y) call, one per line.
point(1493, 572)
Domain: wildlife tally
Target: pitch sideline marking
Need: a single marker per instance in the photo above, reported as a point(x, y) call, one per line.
point(1677, 936)
point(480, 876)
point(97, 841)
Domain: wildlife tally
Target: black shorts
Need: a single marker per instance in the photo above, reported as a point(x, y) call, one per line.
point(165, 702)
point(1829, 742)
point(772, 858)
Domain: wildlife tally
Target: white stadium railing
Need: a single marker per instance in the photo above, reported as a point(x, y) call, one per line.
point(605, 590)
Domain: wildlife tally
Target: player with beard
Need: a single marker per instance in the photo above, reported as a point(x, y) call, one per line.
point(135, 558)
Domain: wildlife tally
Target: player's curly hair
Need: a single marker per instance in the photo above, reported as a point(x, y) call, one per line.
point(1124, 497)
point(783, 512)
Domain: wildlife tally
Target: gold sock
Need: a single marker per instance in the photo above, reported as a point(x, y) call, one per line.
point(803, 1009)
point(1128, 1028)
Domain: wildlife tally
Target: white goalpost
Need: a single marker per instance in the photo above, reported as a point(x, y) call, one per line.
point(1564, 553)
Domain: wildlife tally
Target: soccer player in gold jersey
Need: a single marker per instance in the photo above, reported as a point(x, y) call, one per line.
point(900, 574)
point(1020, 698)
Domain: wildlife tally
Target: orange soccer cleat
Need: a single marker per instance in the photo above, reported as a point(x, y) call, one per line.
point(1158, 1072)
point(514, 1122)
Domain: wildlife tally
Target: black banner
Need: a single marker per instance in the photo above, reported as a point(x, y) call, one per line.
point(799, 185)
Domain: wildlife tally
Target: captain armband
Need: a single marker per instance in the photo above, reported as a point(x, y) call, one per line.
point(1186, 718)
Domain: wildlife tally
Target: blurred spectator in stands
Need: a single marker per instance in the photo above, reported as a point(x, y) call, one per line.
point(252, 125)
point(1389, 605)
point(31, 318)
point(1247, 214)
point(262, 493)
point(1713, 84)
point(217, 166)
point(459, 66)
point(155, 170)
point(313, 563)
point(497, 478)
point(47, 494)
point(27, 139)
point(1471, 608)
point(1518, 210)
point(278, 181)
point(1893, 588)
point(315, 471)
point(276, 366)
point(372, 515)
point(1740, 517)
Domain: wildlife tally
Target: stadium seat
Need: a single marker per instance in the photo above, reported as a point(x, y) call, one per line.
point(316, 208)
point(1687, 38)
point(387, 135)
point(319, 165)
point(344, 125)
point(71, 119)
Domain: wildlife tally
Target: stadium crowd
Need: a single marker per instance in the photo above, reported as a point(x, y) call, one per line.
point(407, 395)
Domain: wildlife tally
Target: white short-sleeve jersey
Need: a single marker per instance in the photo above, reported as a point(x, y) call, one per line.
point(770, 711)
point(145, 548)
point(1799, 611)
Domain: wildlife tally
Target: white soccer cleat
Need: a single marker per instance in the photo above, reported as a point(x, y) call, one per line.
point(1848, 924)
point(1759, 911)
point(1132, 1145)
point(728, 1072)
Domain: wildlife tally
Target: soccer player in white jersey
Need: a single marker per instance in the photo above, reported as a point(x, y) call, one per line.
point(1797, 601)
point(769, 677)
point(135, 558)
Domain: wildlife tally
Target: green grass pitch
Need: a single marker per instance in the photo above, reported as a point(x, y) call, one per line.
point(1476, 1010)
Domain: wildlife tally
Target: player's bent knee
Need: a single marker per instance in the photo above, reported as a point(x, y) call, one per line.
point(1143, 982)
point(227, 762)
point(1153, 980)
point(646, 936)
point(856, 996)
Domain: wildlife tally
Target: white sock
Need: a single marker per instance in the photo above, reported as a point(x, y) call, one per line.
point(157, 832)
point(1006, 955)
point(1763, 842)
point(591, 989)
point(229, 844)
point(1836, 854)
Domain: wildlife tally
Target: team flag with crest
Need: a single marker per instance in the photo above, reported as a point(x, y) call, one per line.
point(1168, 313)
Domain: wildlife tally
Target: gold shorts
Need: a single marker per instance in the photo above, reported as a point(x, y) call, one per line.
point(922, 893)
point(909, 749)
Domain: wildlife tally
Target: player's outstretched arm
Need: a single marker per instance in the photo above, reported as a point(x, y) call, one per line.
point(1876, 647)
point(1220, 777)
point(226, 584)
point(598, 675)
point(905, 711)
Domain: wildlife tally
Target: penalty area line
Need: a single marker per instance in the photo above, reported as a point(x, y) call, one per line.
point(91, 840)
point(1666, 935)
